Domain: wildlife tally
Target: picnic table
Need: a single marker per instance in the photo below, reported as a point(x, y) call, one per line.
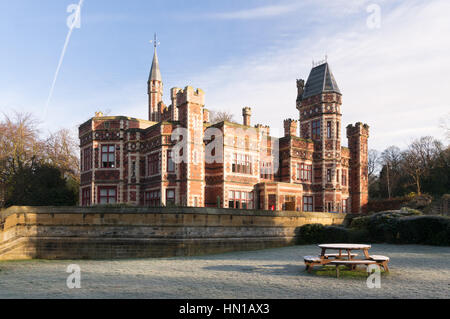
point(345, 258)
point(347, 247)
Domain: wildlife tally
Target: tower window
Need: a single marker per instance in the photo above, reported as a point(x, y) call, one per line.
point(170, 197)
point(329, 175)
point(344, 178)
point(338, 129)
point(170, 163)
point(108, 156)
point(86, 196)
point(107, 195)
point(304, 172)
point(315, 129)
point(153, 164)
point(328, 129)
point(153, 198)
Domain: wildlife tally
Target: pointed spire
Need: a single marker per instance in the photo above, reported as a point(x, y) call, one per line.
point(155, 73)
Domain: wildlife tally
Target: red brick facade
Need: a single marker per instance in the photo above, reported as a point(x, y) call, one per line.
point(179, 158)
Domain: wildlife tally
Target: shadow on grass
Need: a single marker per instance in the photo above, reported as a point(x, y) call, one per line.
point(344, 272)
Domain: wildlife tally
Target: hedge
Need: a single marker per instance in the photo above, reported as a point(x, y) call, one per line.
point(397, 227)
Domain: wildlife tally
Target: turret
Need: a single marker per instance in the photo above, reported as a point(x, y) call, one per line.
point(358, 135)
point(246, 114)
point(155, 89)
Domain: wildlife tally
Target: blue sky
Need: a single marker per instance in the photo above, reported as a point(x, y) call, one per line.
point(242, 53)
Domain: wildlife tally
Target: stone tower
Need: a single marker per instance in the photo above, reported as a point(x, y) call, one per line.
point(358, 178)
point(319, 103)
point(190, 104)
point(155, 91)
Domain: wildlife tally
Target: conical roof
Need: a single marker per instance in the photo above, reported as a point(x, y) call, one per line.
point(155, 73)
point(320, 80)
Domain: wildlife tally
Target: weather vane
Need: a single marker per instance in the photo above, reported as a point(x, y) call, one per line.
point(155, 41)
point(317, 63)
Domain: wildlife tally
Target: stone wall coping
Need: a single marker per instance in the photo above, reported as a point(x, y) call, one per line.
point(158, 210)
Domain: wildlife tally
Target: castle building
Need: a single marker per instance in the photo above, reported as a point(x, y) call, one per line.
point(178, 157)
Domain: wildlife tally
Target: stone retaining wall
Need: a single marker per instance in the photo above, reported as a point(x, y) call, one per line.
point(111, 232)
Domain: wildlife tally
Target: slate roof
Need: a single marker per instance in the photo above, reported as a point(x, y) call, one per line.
point(320, 80)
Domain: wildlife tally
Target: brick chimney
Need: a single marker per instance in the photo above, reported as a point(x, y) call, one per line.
point(246, 114)
point(290, 127)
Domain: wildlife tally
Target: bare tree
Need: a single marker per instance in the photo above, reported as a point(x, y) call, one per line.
point(373, 162)
point(391, 159)
point(220, 116)
point(62, 151)
point(418, 159)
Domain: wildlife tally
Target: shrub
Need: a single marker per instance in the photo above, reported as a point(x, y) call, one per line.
point(318, 233)
point(359, 236)
point(333, 234)
point(360, 222)
point(431, 230)
point(310, 234)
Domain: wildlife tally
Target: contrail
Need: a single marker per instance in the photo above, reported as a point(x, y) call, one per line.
point(61, 58)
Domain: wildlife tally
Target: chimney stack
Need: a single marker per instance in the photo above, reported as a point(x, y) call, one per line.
point(290, 127)
point(246, 113)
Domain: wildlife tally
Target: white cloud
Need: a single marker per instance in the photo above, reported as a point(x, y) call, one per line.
point(394, 78)
point(255, 13)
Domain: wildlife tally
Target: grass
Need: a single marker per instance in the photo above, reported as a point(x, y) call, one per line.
point(344, 272)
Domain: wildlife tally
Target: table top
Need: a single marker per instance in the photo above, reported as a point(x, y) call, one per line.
point(344, 246)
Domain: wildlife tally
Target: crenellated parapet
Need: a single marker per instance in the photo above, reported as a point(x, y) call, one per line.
point(190, 95)
point(359, 129)
point(290, 127)
point(263, 128)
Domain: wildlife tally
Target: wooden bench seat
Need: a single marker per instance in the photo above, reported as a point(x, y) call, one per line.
point(379, 257)
point(353, 262)
point(312, 258)
point(381, 260)
point(341, 255)
point(311, 261)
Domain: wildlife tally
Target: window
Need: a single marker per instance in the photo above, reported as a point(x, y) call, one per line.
point(344, 178)
point(315, 129)
point(86, 162)
point(153, 164)
point(329, 175)
point(86, 196)
point(108, 156)
point(307, 203)
point(344, 205)
point(107, 195)
point(153, 198)
point(289, 203)
point(328, 129)
point(338, 129)
point(337, 176)
point(170, 197)
point(266, 170)
point(170, 163)
point(240, 200)
point(304, 172)
point(241, 164)
point(329, 206)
